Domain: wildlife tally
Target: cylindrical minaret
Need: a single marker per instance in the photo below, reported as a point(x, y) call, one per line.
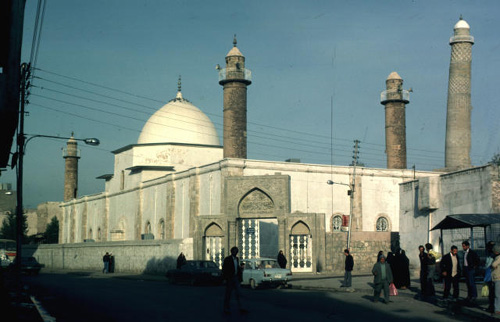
point(235, 78)
point(458, 128)
point(394, 99)
point(71, 154)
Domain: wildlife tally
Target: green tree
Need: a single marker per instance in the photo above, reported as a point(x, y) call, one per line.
point(52, 231)
point(8, 230)
point(495, 159)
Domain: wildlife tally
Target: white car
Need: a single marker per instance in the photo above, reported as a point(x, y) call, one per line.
point(264, 272)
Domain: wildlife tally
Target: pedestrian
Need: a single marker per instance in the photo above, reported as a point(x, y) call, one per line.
point(450, 269)
point(382, 277)
point(282, 259)
point(471, 263)
point(431, 269)
point(487, 276)
point(181, 260)
point(403, 265)
point(495, 276)
point(105, 260)
point(422, 255)
point(380, 253)
point(111, 268)
point(349, 265)
point(232, 273)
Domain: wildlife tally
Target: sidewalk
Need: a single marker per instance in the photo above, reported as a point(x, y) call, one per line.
point(330, 283)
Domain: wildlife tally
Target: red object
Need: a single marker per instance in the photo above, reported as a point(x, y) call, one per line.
point(345, 220)
point(393, 291)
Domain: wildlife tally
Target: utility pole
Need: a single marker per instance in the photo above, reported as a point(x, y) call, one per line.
point(353, 184)
point(25, 74)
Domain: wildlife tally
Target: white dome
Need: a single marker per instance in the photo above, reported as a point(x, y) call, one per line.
point(179, 121)
point(461, 24)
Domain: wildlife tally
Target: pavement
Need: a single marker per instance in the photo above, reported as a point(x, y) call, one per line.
point(361, 284)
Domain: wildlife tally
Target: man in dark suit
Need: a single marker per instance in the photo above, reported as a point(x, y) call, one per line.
point(471, 263)
point(382, 277)
point(233, 275)
point(450, 268)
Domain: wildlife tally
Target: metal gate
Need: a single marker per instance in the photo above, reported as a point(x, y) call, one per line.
point(301, 253)
point(214, 250)
point(249, 237)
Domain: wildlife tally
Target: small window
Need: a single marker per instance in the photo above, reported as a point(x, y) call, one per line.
point(382, 224)
point(336, 223)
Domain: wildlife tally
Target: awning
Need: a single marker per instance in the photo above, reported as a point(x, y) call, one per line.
point(468, 221)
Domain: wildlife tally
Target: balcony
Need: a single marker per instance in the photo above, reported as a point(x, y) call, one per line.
point(390, 96)
point(242, 75)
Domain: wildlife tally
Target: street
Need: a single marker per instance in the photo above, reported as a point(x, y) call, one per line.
point(93, 297)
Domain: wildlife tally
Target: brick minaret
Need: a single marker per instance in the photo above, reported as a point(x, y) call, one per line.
point(71, 155)
point(235, 78)
point(394, 99)
point(458, 124)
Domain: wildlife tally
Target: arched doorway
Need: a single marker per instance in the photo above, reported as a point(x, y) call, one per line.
point(258, 229)
point(301, 248)
point(214, 251)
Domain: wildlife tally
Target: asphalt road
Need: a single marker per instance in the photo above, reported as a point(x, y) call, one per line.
point(81, 297)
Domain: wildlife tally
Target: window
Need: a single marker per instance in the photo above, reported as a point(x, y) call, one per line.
point(336, 223)
point(382, 224)
point(148, 228)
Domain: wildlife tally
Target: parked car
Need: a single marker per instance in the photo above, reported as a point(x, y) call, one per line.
point(29, 265)
point(196, 272)
point(264, 272)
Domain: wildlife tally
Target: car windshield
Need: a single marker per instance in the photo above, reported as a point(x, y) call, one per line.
point(266, 263)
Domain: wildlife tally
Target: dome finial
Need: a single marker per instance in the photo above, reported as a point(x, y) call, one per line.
point(72, 133)
point(461, 17)
point(234, 41)
point(179, 97)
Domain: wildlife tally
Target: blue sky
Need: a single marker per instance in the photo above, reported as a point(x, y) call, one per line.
point(308, 58)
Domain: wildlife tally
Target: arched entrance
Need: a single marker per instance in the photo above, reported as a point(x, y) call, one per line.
point(258, 230)
point(214, 251)
point(301, 248)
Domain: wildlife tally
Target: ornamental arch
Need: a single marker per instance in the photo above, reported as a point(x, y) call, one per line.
point(213, 244)
point(301, 245)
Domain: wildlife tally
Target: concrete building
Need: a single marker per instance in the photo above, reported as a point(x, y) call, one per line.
point(458, 116)
point(394, 98)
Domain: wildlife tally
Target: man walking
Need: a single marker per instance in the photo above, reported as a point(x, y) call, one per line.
point(471, 262)
point(105, 260)
point(349, 265)
point(233, 274)
point(422, 255)
point(382, 277)
point(451, 273)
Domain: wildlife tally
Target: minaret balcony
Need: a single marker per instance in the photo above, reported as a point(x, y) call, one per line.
point(70, 153)
point(235, 75)
point(461, 38)
point(395, 96)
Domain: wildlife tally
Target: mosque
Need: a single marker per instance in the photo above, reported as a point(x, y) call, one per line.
point(178, 183)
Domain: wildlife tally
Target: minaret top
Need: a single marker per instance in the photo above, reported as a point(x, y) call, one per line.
point(393, 75)
point(461, 24)
point(234, 51)
point(179, 86)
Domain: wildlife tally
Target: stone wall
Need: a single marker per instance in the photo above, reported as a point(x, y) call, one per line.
point(147, 256)
point(364, 249)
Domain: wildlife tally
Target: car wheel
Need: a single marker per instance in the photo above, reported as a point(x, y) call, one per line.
point(253, 285)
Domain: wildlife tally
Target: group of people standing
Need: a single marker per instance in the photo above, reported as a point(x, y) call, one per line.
point(452, 268)
point(109, 263)
point(395, 268)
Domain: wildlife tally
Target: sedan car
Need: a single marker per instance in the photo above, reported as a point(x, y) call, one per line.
point(264, 272)
point(196, 272)
point(29, 265)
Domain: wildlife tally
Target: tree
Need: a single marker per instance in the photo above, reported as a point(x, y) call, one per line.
point(52, 231)
point(495, 159)
point(8, 230)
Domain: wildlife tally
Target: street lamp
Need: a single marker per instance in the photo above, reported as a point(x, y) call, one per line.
point(350, 192)
point(18, 158)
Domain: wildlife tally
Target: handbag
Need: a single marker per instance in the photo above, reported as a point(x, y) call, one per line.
point(393, 291)
point(485, 291)
point(487, 275)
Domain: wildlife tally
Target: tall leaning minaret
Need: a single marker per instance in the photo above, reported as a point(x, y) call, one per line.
point(235, 78)
point(458, 124)
point(71, 156)
point(394, 98)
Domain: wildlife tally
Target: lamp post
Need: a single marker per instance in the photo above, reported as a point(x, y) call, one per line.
point(18, 159)
point(350, 192)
